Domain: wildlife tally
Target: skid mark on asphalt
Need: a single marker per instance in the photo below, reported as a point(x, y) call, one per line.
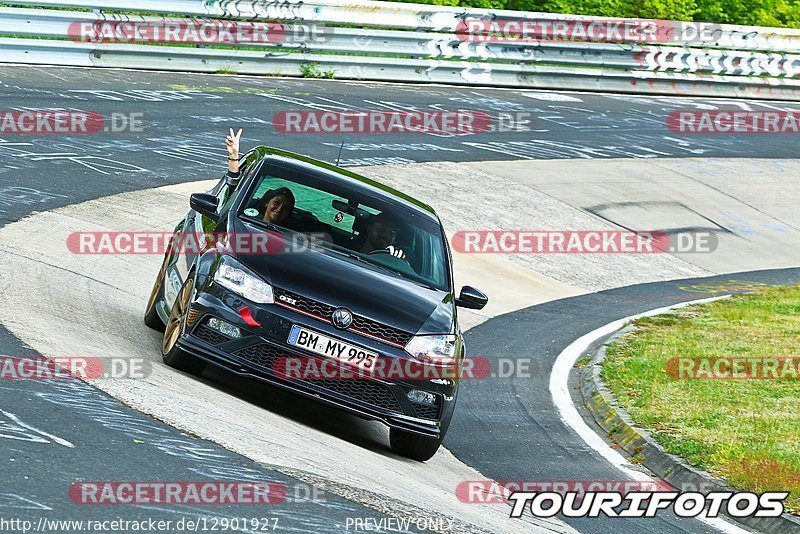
point(12, 427)
point(12, 500)
point(27, 196)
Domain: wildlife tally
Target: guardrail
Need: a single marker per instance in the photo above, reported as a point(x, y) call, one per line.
point(388, 41)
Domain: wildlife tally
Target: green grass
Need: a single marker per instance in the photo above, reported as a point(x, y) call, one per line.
point(747, 431)
point(311, 70)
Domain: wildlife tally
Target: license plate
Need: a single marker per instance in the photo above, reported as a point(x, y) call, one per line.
point(332, 348)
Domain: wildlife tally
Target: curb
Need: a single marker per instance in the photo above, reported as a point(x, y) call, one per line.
point(638, 443)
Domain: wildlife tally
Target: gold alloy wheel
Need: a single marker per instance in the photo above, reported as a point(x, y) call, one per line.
point(176, 317)
point(159, 283)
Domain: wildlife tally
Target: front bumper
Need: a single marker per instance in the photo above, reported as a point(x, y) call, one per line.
point(254, 354)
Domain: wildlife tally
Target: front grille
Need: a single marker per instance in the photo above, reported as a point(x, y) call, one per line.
point(426, 412)
point(363, 390)
point(307, 305)
point(209, 335)
point(382, 331)
point(325, 311)
point(262, 355)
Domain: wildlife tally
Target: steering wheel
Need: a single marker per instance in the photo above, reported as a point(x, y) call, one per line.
point(393, 252)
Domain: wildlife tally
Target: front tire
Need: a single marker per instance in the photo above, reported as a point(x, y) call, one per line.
point(413, 446)
point(151, 317)
point(173, 355)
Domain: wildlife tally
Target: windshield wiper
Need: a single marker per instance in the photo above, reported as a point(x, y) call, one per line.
point(350, 255)
point(268, 225)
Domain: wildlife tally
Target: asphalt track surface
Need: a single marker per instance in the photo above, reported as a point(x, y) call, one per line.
point(509, 432)
point(92, 437)
point(186, 115)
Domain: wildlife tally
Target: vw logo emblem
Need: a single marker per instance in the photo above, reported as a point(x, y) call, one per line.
point(342, 318)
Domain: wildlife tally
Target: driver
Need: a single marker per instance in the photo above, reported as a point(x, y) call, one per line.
point(381, 233)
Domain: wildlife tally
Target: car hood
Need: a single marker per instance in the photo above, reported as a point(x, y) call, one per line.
point(339, 281)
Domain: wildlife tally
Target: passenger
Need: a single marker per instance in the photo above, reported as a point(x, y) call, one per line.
point(381, 234)
point(277, 205)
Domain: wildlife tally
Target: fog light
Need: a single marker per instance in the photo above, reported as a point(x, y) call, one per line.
point(422, 397)
point(224, 328)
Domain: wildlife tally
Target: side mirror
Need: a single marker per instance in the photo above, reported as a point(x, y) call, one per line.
point(472, 299)
point(205, 204)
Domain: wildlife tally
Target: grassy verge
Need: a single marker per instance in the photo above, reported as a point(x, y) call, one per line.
point(747, 430)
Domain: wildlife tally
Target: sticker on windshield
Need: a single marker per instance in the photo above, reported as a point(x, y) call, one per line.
point(251, 212)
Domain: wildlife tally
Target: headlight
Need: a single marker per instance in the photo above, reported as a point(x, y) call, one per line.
point(234, 276)
point(434, 350)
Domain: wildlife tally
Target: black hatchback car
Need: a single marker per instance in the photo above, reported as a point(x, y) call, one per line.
point(348, 300)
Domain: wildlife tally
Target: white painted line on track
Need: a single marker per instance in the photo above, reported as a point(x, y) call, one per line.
point(559, 389)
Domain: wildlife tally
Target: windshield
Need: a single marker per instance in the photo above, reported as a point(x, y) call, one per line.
point(356, 226)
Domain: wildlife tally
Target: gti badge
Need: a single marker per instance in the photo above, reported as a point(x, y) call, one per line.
point(342, 318)
point(288, 300)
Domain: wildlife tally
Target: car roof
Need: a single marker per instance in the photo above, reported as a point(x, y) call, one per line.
point(344, 177)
